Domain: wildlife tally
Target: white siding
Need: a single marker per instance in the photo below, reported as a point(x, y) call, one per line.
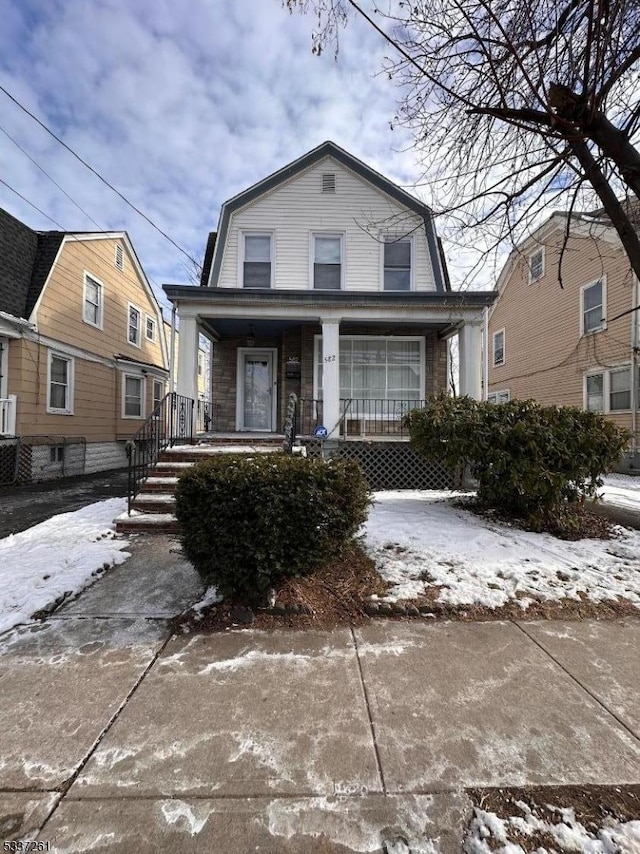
point(297, 208)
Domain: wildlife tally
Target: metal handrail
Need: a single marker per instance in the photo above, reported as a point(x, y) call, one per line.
point(171, 421)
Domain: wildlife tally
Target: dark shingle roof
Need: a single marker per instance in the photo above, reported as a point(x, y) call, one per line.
point(18, 250)
point(208, 258)
point(48, 245)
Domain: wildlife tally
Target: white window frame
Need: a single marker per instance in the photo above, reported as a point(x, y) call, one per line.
point(496, 394)
point(137, 344)
point(317, 339)
point(504, 348)
point(618, 370)
point(399, 237)
point(68, 410)
point(152, 338)
point(143, 396)
point(161, 383)
point(241, 252)
point(538, 251)
point(100, 285)
point(312, 255)
point(603, 280)
point(595, 372)
point(119, 264)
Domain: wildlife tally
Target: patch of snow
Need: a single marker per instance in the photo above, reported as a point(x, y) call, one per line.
point(137, 517)
point(623, 490)
point(419, 540)
point(255, 657)
point(211, 597)
point(56, 558)
point(151, 498)
point(180, 813)
point(222, 449)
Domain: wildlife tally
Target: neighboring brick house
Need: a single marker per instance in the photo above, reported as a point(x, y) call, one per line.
point(82, 349)
point(327, 280)
point(574, 343)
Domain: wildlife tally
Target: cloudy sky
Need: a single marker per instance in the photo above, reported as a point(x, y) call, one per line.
point(180, 105)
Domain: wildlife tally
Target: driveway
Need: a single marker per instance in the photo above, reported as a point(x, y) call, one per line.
point(25, 506)
point(116, 736)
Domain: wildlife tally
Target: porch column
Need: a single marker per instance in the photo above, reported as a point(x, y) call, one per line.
point(331, 375)
point(188, 360)
point(470, 356)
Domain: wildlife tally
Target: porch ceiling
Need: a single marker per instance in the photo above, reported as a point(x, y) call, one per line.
point(232, 327)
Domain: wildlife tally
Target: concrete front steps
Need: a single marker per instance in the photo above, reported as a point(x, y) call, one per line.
point(153, 508)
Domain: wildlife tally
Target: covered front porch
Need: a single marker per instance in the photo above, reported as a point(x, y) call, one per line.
point(356, 362)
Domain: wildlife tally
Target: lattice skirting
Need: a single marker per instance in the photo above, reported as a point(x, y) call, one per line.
point(36, 458)
point(390, 465)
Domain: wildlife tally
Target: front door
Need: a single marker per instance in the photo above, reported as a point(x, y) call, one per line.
point(256, 391)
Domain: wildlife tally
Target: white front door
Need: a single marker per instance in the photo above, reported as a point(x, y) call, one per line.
point(256, 390)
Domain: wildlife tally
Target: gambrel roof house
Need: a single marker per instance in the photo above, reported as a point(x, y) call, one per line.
point(568, 335)
point(328, 280)
point(82, 350)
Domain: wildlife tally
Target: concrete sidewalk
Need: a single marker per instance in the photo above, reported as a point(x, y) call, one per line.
point(116, 737)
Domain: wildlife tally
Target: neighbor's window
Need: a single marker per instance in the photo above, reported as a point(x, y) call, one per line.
point(620, 390)
point(150, 328)
point(158, 393)
point(592, 307)
point(134, 325)
point(200, 363)
point(499, 396)
point(92, 311)
point(498, 348)
point(257, 261)
point(386, 371)
point(397, 264)
point(327, 262)
point(595, 392)
point(60, 384)
point(56, 454)
point(536, 265)
point(133, 397)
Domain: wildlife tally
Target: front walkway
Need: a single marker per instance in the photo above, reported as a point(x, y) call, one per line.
point(115, 736)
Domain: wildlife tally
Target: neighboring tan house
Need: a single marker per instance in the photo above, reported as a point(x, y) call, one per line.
point(327, 280)
point(569, 340)
point(82, 350)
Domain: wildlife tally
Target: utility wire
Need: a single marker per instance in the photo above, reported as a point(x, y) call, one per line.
point(99, 176)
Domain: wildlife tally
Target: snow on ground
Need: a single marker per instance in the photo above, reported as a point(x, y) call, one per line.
point(622, 490)
point(420, 540)
point(56, 557)
point(489, 834)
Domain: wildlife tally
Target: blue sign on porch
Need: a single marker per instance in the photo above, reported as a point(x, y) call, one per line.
point(320, 432)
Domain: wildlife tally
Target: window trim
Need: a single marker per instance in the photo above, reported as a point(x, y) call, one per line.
point(312, 255)
point(504, 347)
point(595, 372)
point(491, 394)
point(143, 396)
point(243, 234)
point(540, 249)
point(97, 281)
point(140, 314)
point(420, 338)
point(603, 280)
point(154, 337)
point(618, 370)
point(161, 383)
point(119, 266)
point(606, 387)
point(400, 238)
point(69, 410)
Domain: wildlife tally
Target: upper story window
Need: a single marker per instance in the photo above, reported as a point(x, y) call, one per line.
point(397, 264)
point(536, 265)
point(150, 328)
point(257, 267)
point(594, 392)
point(327, 262)
point(133, 327)
point(592, 298)
point(60, 384)
point(119, 257)
point(498, 348)
point(93, 301)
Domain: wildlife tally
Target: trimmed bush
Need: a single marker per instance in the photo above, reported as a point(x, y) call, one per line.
point(248, 523)
point(530, 461)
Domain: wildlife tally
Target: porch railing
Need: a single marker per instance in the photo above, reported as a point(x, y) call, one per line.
point(8, 415)
point(308, 416)
point(366, 417)
point(169, 423)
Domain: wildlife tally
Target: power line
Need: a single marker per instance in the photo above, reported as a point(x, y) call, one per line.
point(99, 176)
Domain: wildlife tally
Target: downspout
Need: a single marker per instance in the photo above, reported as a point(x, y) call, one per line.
point(485, 354)
point(172, 350)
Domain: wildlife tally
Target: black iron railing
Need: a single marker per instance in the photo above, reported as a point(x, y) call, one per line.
point(170, 422)
point(364, 417)
point(308, 416)
point(204, 420)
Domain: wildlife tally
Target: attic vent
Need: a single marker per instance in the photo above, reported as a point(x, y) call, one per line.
point(328, 182)
point(119, 257)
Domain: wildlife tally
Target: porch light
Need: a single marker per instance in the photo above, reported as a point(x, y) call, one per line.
point(251, 338)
